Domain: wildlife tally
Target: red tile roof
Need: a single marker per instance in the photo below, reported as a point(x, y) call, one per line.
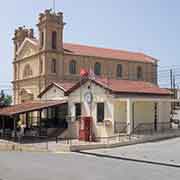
point(29, 106)
point(127, 86)
point(120, 86)
point(84, 50)
point(76, 49)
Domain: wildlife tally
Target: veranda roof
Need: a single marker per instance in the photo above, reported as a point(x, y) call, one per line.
point(29, 107)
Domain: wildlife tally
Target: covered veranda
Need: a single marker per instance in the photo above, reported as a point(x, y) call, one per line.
point(36, 117)
point(133, 115)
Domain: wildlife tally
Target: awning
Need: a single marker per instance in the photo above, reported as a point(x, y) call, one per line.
point(29, 107)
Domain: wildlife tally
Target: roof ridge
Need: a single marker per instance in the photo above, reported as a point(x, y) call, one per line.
point(105, 48)
point(90, 50)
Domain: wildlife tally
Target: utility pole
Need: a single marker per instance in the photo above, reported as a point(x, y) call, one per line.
point(171, 82)
point(171, 78)
point(174, 89)
point(54, 6)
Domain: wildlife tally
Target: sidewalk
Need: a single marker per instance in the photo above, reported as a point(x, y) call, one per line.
point(76, 145)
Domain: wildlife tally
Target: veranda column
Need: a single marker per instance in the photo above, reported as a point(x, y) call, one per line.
point(3, 125)
point(40, 117)
point(27, 120)
point(129, 107)
point(160, 115)
point(164, 112)
point(16, 117)
point(111, 114)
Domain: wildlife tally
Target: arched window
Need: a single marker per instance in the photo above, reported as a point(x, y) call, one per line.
point(54, 40)
point(97, 69)
point(41, 66)
point(42, 39)
point(27, 71)
point(15, 72)
point(72, 67)
point(53, 66)
point(119, 71)
point(139, 73)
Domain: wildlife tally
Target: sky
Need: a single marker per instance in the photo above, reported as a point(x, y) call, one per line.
point(149, 26)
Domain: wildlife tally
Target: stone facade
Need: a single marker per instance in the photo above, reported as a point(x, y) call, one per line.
point(33, 57)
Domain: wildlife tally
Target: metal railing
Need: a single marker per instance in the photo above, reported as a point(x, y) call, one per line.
point(44, 142)
point(120, 127)
point(150, 128)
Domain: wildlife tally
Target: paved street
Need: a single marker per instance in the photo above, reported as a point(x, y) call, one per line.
point(167, 151)
point(68, 166)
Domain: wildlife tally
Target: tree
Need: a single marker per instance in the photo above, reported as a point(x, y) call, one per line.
point(2, 94)
point(5, 100)
point(8, 100)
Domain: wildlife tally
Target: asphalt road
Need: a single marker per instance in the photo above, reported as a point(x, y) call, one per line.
point(73, 166)
point(167, 151)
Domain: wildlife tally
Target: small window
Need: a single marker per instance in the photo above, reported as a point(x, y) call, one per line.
point(100, 112)
point(41, 66)
point(15, 72)
point(77, 110)
point(119, 71)
point(139, 73)
point(53, 66)
point(54, 40)
point(42, 39)
point(72, 67)
point(97, 69)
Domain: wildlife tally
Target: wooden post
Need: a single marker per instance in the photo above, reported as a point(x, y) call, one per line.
point(155, 116)
point(3, 125)
point(129, 116)
point(39, 112)
point(27, 120)
point(15, 126)
point(47, 115)
point(133, 113)
point(40, 117)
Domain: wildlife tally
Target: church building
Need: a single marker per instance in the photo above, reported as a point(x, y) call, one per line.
point(119, 93)
point(39, 61)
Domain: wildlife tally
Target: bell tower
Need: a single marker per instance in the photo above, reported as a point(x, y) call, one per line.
point(19, 35)
point(50, 27)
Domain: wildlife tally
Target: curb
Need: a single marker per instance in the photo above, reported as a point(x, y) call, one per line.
point(131, 159)
point(20, 148)
point(81, 147)
point(77, 148)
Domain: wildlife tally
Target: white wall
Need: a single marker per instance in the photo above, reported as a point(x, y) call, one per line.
point(164, 114)
point(53, 93)
point(143, 113)
point(114, 110)
point(99, 95)
point(120, 113)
